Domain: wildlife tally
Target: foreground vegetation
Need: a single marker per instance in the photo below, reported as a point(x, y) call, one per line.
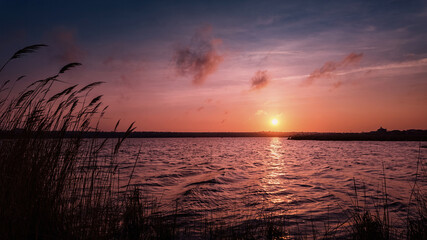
point(66, 187)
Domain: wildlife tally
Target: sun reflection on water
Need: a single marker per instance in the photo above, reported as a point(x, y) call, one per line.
point(273, 182)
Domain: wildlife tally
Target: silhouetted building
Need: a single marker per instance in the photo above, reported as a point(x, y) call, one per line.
point(381, 130)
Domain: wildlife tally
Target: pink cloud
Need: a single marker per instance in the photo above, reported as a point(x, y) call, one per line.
point(200, 58)
point(328, 69)
point(260, 80)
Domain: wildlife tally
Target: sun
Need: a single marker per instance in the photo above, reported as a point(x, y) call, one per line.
point(274, 121)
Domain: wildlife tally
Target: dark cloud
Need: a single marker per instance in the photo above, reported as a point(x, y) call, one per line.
point(260, 80)
point(327, 70)
point(199, 59)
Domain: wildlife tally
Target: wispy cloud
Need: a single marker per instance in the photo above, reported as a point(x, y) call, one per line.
point(131, 69)
point(406, 64)
point(369, 69)
point(261, 112)
point(329, 68)
point(263, 21)
point(66, 41)
point(199, 59)
point(273, 52)
point(260, 80)
point(336, 85)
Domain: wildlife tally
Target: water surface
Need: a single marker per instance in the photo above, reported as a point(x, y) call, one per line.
point(235, 179)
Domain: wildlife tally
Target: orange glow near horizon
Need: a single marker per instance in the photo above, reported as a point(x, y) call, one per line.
point(221, 105)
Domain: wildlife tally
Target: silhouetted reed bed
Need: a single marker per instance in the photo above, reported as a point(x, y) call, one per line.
point(65, 188)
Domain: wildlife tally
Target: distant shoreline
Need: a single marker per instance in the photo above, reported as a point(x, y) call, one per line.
point(395, 135)
point(379, 135)
point(149, 134)
point(209, 134)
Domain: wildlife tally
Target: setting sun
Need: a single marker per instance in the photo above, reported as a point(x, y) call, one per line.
point(274, 122)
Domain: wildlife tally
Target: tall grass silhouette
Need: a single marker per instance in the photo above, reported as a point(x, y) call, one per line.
point(54, 186)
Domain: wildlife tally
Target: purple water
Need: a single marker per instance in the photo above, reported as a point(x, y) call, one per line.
point(232, 179)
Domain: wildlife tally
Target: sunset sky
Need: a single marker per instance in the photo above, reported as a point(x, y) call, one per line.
point(342, 66)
